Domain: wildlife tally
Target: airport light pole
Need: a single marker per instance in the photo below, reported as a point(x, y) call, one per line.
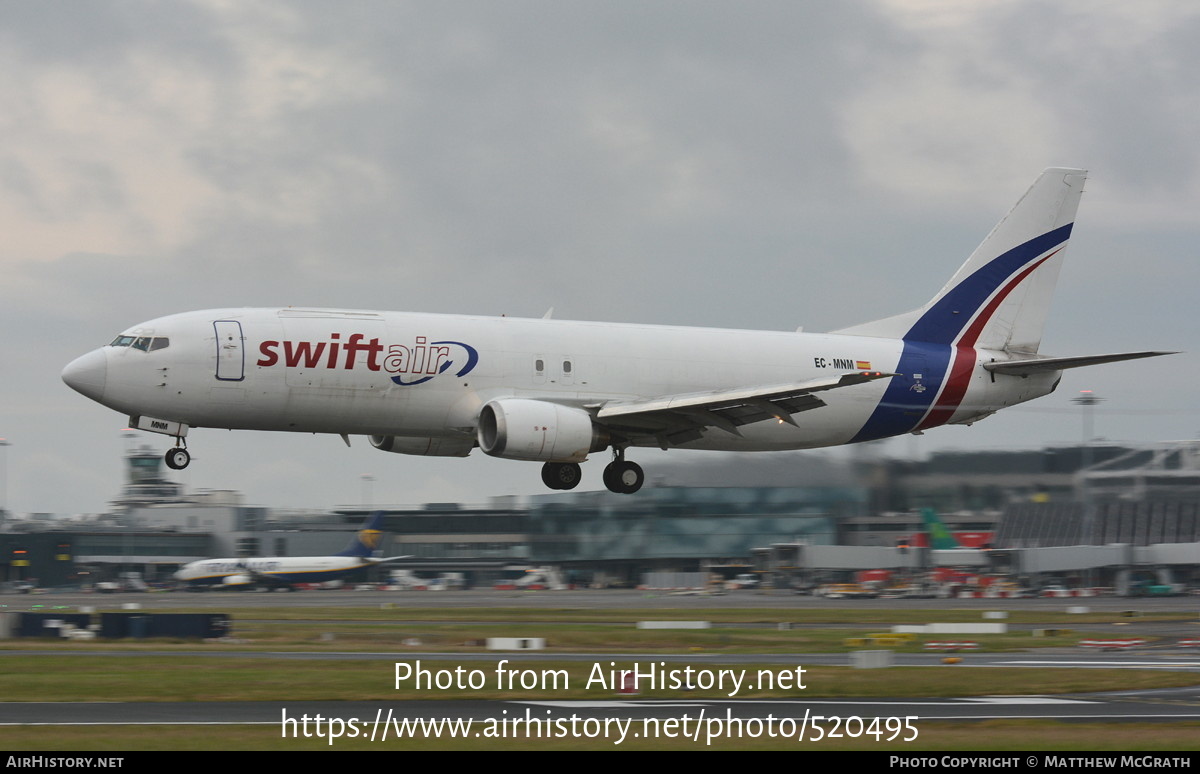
point(1087, 400)
point(4, 444)
point(367, 480)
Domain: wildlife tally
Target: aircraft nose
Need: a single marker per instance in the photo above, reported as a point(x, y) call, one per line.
point(87, 374)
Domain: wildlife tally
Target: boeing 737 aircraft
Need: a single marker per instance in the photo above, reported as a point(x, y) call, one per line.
point(555, 391)
point(283, 571)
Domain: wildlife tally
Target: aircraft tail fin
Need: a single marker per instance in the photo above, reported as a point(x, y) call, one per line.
point(1000, 297)
point(367, 541)
point(940, 538)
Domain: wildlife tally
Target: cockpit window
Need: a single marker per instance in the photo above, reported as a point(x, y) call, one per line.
point(144, 343)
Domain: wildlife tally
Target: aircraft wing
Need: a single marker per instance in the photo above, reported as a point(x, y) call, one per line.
point(1038, 365)
point(674, 419)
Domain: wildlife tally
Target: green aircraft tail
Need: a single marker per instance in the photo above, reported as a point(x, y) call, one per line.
point(940, 538)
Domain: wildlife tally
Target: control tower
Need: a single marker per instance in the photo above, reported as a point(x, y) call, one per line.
point(144, 481)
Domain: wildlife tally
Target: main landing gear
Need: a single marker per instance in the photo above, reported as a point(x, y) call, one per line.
point(178, 458)
point(620, 476)
point(561, 475)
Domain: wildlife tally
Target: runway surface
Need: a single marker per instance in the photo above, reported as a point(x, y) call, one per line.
point(1137, 706)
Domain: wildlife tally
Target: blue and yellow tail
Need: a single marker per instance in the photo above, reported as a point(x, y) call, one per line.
point(368, 540)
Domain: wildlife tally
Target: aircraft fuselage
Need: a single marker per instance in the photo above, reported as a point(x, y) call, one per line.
point(428, 375)
point(555, 391)
point(281, 571)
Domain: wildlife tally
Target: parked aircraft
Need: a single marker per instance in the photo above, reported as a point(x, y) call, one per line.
point(938, 534)
point(284, 571)
point(555, 391)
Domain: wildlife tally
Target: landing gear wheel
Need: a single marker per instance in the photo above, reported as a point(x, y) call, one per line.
point(610, 483)
point(624, 477)
point(178, 458)
point(561, 475)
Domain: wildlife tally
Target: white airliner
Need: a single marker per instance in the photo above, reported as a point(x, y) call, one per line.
point(283, 571)
point(555, 391)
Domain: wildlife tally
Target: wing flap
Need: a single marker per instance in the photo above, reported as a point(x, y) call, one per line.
point(677, 418)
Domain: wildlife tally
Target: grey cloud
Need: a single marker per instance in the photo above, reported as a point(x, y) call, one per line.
point(679, 162)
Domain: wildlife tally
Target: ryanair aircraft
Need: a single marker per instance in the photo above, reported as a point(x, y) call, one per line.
point(284, 571)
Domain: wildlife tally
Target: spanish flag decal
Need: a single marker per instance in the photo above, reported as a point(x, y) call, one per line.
point(862, 365)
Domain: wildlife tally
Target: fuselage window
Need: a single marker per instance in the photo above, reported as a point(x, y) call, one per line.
point(142, 343)
point(121, 341)
point(159, 342)
point(567, 367)
point(539, 366)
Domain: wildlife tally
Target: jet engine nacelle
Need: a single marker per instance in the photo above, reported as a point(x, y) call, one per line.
point(424, 447)
point(236, 580)
point(522, 429)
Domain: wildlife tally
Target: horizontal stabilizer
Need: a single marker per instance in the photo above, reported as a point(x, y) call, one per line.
point(1041, 365)
point(374, 560)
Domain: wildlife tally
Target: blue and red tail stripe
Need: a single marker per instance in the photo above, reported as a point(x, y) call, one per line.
point(943, 340)
point(964, 355)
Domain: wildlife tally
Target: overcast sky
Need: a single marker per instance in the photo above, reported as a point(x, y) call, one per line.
point(736, 164)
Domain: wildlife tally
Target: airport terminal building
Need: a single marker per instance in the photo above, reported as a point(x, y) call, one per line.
point(1133, 507)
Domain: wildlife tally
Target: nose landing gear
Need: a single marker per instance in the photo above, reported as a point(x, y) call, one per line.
point(178, 458)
